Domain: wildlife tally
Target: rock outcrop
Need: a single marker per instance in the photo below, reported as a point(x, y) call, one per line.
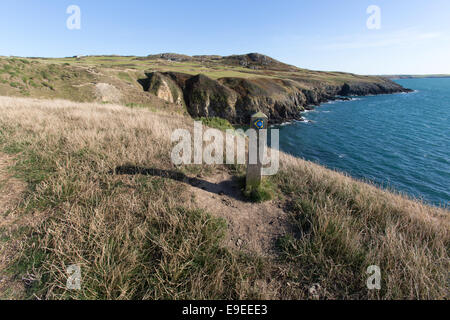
point(163, 87)
point(236, 99)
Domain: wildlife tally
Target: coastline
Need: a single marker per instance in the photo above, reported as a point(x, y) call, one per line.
point(371, 134)
point(309, 108)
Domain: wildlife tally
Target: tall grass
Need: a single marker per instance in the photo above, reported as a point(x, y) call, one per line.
point(135, 237)
point(142, 237)
point(343, 226)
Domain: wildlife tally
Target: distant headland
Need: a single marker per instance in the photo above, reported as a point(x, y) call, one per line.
point(229, 87)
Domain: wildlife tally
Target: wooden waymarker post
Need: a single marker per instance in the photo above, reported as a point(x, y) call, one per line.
point(254, 170)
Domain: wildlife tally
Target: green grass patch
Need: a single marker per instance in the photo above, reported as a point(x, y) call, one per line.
point(125, 77)
point(264, 192)
point(217, 123)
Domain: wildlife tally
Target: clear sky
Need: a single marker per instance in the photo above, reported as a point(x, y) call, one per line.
point(414, 35)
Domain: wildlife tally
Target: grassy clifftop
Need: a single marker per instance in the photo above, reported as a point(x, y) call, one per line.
point(101, 192)
point(90, 182)
point(231, 87)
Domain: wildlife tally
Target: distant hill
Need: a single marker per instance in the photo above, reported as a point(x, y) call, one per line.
point(254, 61)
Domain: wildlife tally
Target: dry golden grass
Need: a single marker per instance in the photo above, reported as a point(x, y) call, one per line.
point(141, 237)
point(134, 236)
point(347, 225)
point(10, 195)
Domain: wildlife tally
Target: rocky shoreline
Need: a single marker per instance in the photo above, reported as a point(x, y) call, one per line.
point(236, 99)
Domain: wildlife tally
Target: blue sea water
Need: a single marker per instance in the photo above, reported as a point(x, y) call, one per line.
point(399, 141)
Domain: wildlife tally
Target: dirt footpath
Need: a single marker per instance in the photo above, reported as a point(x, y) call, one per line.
point(252, 226)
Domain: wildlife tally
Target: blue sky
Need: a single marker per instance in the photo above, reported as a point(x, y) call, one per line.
point(414, 37)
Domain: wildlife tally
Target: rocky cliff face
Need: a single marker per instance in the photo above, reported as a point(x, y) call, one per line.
point(236, 99)
point(163, 87)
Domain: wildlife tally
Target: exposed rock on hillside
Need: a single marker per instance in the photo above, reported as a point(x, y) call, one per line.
point(236, 99)
point(208, 98)
point(163, 87)
point(367, 88)
point(107, 93)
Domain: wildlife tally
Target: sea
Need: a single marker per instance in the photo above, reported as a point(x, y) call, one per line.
point(398, 141)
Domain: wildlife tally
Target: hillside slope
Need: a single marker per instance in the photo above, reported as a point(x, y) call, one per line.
point(232, 87)
point(102, 193)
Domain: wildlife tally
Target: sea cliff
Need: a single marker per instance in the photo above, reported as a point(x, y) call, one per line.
point(235, 99)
